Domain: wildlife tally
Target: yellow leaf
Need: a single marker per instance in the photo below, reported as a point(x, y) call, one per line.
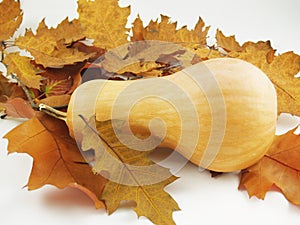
point(133, 178)
point(227, 43)
point(49, 47)
point(104, 21)
point(166, 31)
point(22, 67)
point(59, 56)
point(10, 19)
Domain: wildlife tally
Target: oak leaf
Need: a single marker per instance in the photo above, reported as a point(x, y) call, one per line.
point(133, 178)
point(280, 167)
point(104, 21)
point(167, 31)
point(24, 69)
point(10, 19)
point(57, 160)
point(52, 47)
point(281, 69)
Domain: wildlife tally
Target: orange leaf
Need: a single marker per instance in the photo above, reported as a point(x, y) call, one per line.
point(57, 160)
point(280, 167)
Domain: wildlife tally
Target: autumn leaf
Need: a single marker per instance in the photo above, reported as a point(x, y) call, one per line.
point(104, 21)
point(167, 31)
point(52, 47)
point(134, 178)
point(281, 69)
point(227, 43)
point(24, 69)
point(5, 87)
point(11, 18)
point(60, 81)
point(280, 167)
point(56, 101)
point(57, 160)
point(17, 108)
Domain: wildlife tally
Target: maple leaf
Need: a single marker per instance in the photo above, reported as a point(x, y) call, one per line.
point(57, 160)
point(52, 47)
point(281, 69)
point(167, 31)
point(11, 18)
point(227, 43)
point(104, 21)
point(147, 58)
point(280, 167)
point(131, 179)
point(24, 69)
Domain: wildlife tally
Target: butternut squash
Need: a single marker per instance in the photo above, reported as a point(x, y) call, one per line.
point(220, 114)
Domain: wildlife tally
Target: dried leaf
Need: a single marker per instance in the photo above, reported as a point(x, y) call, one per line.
point(56, 101)
point(10, 19)
point(280, 167)
point(166, 31)
point(57, 160)
point(46, 38)
point(60, 81)
point(280, 69)
point(227, 43)
point(18, 108)
point(104, 21)
point(24, 69)
point(5, 87)
point(51, 47)
point(133, 178)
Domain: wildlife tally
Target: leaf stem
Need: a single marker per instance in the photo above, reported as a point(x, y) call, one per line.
point(41, 107)
point(53, 112)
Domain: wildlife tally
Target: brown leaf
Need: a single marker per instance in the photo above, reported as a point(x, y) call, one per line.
point(60, 81)
point(104, 21)
point(98, 52)
point(51, 47)
point(18, 108)
point(167, 31)
point(56, 101)
point(5, 87)
point(10, 19)
point(57, 160)
point(24, 69)
point(280, 167)
point(133, 178)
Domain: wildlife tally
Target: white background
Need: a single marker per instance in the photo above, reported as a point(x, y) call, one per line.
point(203, 200)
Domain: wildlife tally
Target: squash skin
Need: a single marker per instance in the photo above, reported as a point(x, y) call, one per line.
point(242, 97)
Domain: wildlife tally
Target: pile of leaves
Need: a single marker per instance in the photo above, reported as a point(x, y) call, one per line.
point(49, 65)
